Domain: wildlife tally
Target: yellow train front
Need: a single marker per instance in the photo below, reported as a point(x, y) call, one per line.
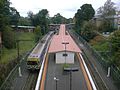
point(33, 62)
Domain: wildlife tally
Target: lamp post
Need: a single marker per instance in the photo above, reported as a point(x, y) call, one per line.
point(65, 43)
point(71, 70)
point(56, 80)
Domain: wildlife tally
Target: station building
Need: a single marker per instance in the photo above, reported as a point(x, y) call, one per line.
point(63, 47)
point(23, 28)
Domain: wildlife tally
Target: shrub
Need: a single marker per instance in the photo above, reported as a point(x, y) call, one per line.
point(9, 38)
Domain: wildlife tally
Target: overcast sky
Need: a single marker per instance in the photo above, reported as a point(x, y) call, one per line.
point(66, 8)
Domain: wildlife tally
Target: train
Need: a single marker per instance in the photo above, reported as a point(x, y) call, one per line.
point(35, 58)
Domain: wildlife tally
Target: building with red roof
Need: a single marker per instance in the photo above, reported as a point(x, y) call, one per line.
point(63, 46)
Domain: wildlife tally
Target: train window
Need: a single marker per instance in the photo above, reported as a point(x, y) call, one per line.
point(43, 41)
point(31, 63)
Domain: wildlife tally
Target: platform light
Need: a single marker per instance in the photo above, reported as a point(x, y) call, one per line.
point(56, 80)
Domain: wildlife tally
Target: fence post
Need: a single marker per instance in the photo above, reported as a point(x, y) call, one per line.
point(108, 75)
point(20, 74)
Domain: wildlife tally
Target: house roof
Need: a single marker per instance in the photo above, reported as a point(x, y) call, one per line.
point(58, 42)
point(26, 27)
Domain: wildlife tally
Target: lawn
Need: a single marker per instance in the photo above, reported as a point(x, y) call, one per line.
point(10, 54)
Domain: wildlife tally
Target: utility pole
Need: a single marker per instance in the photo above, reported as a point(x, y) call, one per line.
point(18, 49)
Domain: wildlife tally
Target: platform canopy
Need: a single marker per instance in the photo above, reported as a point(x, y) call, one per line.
point(63, 42)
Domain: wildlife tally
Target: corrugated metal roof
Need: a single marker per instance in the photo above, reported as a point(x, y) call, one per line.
point(27, 27)
point(58, 42)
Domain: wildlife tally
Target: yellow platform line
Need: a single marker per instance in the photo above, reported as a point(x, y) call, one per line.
point(84, 73)
point(42, 85)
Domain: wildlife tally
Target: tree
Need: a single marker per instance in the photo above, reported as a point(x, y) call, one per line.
point(58, 19)
point(4, 13)
point(31, 17)
point(88, 30)
point(85, 13)
point(105, 26)
point(14, 16)
point(38, 33)
point(115, 47)
point(9, 38)
point(24, 21)
point(107, 10)
point(41, 19)
point(107, 13)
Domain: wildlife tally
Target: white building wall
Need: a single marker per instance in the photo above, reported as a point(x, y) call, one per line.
point(61, 59)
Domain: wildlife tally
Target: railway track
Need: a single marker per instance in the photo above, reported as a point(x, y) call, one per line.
point(28, 79)
point(31, 81)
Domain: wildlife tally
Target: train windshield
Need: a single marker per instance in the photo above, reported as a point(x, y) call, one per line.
point(32, 63)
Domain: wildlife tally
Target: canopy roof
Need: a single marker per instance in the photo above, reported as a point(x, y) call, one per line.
point(63, 42)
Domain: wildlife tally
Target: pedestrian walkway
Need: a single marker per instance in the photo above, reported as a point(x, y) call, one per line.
point(56, 70)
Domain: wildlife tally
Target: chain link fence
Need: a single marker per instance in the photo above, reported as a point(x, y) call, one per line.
point(6, 85)
point(105, 62)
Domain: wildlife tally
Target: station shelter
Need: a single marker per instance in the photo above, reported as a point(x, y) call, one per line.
point(63, 46)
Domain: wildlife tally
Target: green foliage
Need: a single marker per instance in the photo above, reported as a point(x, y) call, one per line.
point(106, 25)
point(115, 41)
point(85, 13)
point(88, 30)
point(100, 43)
point(9, 38)
point(38, 33)
point(58, 19)
point(106, 12)
point(41, 19)
point(66, 65)
point(115, 45)
point(11, 54)
point(108, 9)
point(14, 16)
point(24, 21)
point(4, 13)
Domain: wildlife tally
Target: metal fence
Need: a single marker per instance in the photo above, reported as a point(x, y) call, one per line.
point(14, 72)
point(115, 71)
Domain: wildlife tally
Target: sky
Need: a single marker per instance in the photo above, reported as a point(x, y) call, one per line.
point(66, 8)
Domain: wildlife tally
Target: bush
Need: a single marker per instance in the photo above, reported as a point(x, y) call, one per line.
point(9, 38)
point(88, 30)
point(38, 33)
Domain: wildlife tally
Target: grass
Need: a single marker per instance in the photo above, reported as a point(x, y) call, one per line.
point(99, 43)
point(10, 54)
point(101, 47)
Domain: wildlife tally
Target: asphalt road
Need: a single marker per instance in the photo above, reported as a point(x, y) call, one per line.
point(56, 70)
